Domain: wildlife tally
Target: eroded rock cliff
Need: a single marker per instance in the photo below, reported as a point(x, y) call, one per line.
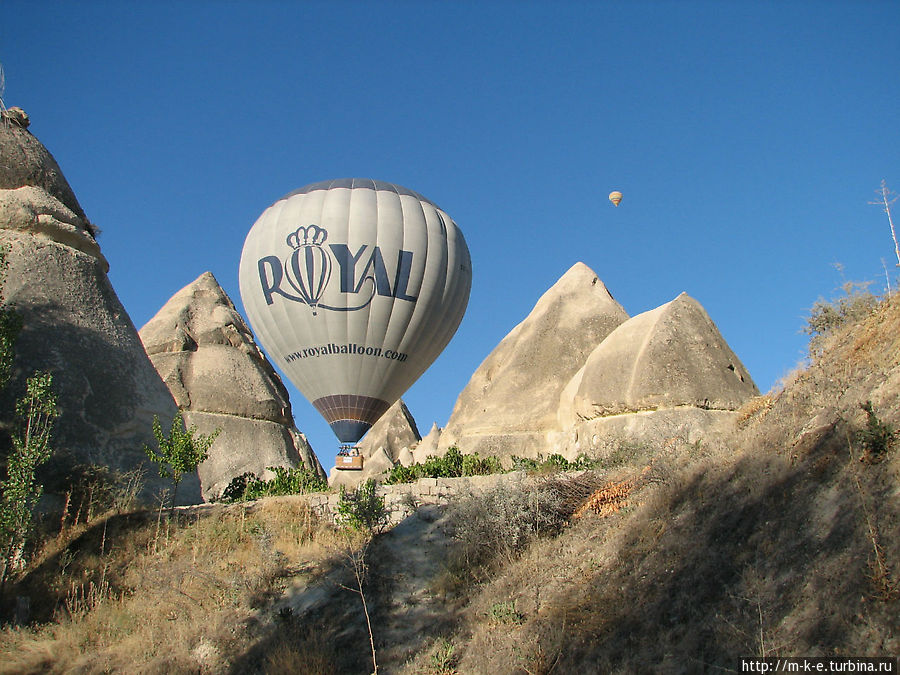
point(206, 355)
point(74, 324)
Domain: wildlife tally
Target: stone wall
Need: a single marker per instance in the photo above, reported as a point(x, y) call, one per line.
point(402, 500)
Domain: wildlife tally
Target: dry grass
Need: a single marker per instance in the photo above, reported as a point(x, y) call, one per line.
point(160, 593)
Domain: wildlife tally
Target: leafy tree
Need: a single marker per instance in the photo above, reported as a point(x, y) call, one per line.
point(180, 452)
point(32, 427)
point(362, 514)
point(19, 493)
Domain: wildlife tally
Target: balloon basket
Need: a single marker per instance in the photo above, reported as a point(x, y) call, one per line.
point(349, 459)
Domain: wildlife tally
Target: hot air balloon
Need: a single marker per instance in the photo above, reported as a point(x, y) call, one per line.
point(354, 287)
point(615, 197)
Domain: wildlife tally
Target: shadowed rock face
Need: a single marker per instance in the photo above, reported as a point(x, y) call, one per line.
point(219, 377)
point(668, 357)
point(74, 325)
point(25, 161)
point(511, 401)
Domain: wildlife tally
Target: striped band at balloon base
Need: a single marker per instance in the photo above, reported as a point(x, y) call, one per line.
point(349, 415)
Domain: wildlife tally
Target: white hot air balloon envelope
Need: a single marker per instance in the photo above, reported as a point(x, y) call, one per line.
point(354, 287)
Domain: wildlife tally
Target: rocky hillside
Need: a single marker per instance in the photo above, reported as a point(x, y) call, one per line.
point(772, 536)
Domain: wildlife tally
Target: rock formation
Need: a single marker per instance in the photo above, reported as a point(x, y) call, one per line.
point(74, 325)
point(426, 448)
point(510, 403)
point(394, 431)
point(663, 373)
point(207, 356)
point(668, 357)
point(578, 376)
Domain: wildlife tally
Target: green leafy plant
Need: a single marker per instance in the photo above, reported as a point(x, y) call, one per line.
point(362, 509)
point(237, 489)
point(453, 464)
point(443, 658)
point(20, 492)
point(877, 437)
point(287, 481)
point(506, 613)
point(180, 452)
point(555, 463)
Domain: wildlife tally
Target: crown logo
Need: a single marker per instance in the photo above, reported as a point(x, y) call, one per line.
point(307, 236)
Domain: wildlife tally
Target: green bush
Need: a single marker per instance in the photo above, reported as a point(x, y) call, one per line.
point(362, 509)
point(506, 613)
point(877, 437)
point(453, 464)
point(473, 465)
point(180, 452)
point(555, 463)
point(443, 658)
point(237, 488)
point(287, 481)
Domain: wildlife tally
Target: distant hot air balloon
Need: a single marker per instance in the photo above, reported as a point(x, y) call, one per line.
point(615, 197)
point(354, 287)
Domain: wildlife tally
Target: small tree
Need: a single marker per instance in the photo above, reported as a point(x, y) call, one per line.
point(179, 453)
point(19, 493)
point(361, 514)
point(363, 509)
point(32, 424)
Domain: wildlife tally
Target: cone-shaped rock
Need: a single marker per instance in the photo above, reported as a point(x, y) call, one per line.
point(511, 401)
point(428, 446)
point(27, 162)
point(394, 431)
point(73, 324)
point(207, 357)
point(668, 357)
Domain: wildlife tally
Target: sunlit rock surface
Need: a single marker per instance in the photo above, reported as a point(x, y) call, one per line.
point(220, 378)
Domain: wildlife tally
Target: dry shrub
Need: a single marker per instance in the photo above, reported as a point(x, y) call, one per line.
point(754, 409)
point(307, 653)
point(493, 527)
point(607, 500)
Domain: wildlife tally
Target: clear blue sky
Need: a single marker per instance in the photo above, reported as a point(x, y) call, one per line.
point(747, 138)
